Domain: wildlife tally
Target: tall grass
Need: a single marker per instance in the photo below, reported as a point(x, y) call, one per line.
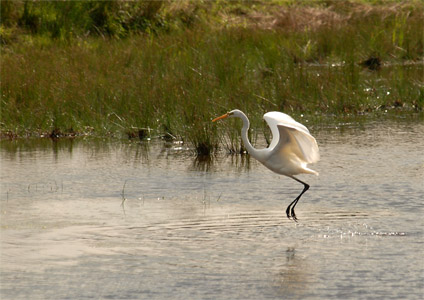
point(176, 82)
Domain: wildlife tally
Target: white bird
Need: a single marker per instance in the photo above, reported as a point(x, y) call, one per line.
point(291, 149)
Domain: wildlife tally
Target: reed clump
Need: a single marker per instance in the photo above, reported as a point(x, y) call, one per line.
point(173, 66)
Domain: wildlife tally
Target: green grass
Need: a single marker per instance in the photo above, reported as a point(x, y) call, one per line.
point(176, 80)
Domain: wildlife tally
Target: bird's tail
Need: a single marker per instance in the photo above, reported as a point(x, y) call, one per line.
point(309, 171)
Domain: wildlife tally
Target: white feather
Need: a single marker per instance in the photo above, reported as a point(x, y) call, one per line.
point(289, 136)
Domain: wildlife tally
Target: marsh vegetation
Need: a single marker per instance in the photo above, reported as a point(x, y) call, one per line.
point(164, 69)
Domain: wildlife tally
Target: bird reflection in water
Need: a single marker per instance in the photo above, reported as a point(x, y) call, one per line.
point(291, 279)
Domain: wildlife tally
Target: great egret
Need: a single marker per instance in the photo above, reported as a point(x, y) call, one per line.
point(291, 149)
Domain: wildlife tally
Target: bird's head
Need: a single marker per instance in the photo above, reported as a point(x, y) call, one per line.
point(231, 114)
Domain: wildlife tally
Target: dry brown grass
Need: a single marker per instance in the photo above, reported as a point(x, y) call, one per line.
point(315, 16)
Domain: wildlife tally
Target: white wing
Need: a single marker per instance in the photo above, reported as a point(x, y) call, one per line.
point(289, 136)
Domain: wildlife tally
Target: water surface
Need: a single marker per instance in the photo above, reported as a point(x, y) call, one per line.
point(108, 219)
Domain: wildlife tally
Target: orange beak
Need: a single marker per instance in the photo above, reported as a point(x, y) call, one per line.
point(221, 117)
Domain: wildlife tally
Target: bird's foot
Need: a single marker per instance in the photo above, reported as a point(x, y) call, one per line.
point(291, 214)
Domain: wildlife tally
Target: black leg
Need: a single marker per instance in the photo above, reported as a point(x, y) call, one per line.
point(290, 209)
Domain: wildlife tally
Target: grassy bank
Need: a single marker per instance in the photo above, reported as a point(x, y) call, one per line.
point(316, 60)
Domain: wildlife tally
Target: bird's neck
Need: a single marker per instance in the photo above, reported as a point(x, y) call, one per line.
point(245, 137)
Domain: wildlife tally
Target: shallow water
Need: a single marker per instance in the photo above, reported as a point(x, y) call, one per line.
point(125, 220)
